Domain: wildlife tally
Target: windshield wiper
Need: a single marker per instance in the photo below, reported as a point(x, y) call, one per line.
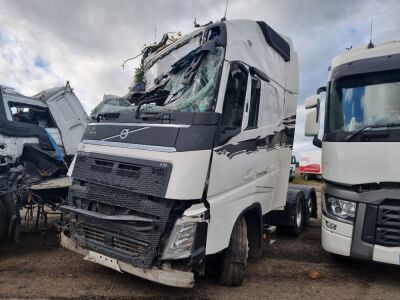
point(349, 137)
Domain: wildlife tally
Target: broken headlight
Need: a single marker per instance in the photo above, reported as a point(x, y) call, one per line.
point(342, 210)
point(181, 241)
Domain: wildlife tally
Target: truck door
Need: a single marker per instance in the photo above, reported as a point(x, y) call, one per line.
point(71, 119)
point(240, 166)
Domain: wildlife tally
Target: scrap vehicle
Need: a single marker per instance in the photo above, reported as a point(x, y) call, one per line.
point(360, 153)
point(199, 169)
point(310, 165)
point(38, 137)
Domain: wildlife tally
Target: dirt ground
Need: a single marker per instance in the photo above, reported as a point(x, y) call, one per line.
point(37, 267)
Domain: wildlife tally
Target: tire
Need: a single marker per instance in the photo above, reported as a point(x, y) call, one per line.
point(298, 217)
point(234, 258)
point(3, 221)
point(9, 205)
point(308, 208)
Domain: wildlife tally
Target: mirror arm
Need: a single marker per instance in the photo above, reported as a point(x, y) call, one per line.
point(317, 142)
point(322, 89)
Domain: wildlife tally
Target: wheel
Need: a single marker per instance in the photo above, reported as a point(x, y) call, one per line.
point(234, 258)
point(3, 221)
point(308, 211)
point(298, 217)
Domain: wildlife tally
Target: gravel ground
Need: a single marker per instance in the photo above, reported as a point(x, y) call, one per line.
point(37, 267)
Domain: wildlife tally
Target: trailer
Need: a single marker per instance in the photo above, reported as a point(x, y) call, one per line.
point(310, 164)
point(199, 170)
point(360, 153)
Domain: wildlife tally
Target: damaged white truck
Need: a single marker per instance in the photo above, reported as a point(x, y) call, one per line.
point(39, 136)
point(200, 168)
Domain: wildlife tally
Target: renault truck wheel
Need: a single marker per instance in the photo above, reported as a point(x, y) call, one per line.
point(234, 259)
point(298, 216)
point(3, 221)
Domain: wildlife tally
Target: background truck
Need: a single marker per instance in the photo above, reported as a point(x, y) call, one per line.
point(360, 153)
point(39, 136)
point(199, 170)
point(310, 164)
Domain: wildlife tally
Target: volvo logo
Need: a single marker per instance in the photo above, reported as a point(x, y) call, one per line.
point(124, 133)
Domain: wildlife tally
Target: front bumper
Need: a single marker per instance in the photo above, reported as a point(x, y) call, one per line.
point(167, 277)
point(339, 242)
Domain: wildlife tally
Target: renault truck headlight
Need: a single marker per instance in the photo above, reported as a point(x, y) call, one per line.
point(336, 208)
point(181, 241)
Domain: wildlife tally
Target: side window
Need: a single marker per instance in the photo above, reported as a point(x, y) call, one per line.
point(254, 103)
point(232, 111)
point(31, 114)
point(272, 107)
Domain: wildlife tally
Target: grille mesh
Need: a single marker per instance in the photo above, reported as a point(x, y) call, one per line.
point(111, 186)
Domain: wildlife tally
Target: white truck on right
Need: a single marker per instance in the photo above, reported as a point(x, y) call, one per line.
point(361, 153)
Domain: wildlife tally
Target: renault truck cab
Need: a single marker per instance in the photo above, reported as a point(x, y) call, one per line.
point(360, 153)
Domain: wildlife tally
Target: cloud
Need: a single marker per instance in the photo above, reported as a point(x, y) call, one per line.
point(85, 41)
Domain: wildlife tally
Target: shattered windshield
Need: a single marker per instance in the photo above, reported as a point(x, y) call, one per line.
point(364, 100)
point(111, 104)
point(197, 96)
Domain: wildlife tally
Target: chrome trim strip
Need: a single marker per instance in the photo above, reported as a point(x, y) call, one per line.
point(130, 146)
point(140, 124)
point(128, 133)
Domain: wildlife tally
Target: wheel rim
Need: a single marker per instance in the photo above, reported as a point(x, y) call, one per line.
point(298, 214)
point(309, 205)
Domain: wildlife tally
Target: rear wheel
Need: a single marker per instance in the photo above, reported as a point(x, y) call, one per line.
point(235, 256)
point(308, 210)
point(3, 221)
point(298, 216)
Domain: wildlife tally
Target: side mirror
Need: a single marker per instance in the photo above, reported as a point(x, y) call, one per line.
point(312, 118)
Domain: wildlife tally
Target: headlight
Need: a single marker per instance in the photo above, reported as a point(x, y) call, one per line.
point(339, 209)
point(181, 240)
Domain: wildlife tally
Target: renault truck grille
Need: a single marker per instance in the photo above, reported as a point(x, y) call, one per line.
point(388, 226)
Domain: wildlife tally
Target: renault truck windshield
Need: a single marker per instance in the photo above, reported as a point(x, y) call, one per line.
point(361, 101)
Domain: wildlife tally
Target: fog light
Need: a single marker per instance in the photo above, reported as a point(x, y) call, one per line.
point(330, 225)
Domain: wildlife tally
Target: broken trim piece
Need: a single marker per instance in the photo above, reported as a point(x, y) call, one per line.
point(170, 277)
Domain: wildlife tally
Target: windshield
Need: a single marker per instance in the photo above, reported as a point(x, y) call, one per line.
point(364, 100)
point(200, 94)
point(111, 104)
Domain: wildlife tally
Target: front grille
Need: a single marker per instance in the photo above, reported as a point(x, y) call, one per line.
point(115, 186)
point(142, 176)
point(388, 225)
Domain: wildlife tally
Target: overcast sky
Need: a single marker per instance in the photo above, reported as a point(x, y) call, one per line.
point(43, 43)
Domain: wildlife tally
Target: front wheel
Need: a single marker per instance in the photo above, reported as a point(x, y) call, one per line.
point(235, 256)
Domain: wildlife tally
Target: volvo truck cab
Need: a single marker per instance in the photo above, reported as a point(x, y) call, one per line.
point(197, 168)
point(360, 153)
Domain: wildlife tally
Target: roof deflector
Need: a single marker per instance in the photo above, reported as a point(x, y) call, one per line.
point(275, 41)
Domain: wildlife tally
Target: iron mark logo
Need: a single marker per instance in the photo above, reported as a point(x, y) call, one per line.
point(124, 133)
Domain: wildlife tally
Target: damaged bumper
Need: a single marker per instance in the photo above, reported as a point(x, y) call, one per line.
point(168, 277)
